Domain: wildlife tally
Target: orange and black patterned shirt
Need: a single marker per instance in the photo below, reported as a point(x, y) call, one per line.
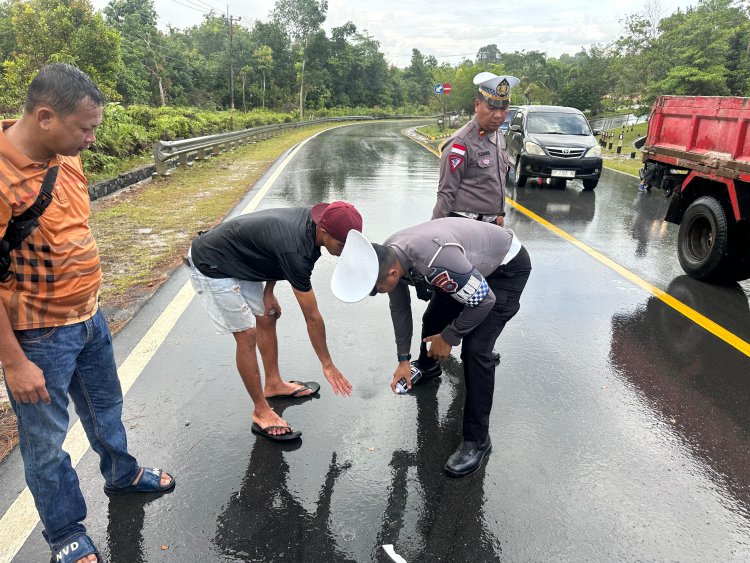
point(56, 271)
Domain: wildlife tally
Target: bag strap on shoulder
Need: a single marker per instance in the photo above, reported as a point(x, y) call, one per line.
point(22, 226)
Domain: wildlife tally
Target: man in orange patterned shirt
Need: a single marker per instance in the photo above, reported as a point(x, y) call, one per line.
point(54, 339)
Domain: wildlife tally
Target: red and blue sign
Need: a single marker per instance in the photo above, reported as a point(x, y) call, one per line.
point(442, 88)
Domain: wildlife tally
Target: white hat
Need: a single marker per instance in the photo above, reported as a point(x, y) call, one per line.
point(356, 269)
point(495, 89)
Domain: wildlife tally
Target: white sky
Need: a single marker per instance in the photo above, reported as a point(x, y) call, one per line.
point(449, 30)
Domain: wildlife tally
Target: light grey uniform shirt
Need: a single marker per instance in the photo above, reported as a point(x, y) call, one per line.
point(454, 255)
point(473, 168)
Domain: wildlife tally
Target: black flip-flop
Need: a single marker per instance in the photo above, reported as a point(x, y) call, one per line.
point(311, 385)
point(293, 435)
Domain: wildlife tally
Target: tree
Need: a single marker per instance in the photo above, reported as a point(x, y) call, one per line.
point(489, 54)
point(67, 31)
point(300, 19)
point(418, 78)
point(637, 51)
point(143, 60)
point(702, 51)
point(263, 62)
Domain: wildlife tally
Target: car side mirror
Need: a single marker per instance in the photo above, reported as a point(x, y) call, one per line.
point(515, 128)
point(596, 132)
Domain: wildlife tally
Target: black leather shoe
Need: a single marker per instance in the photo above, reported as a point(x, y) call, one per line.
point(427, 374)
point(468, 458)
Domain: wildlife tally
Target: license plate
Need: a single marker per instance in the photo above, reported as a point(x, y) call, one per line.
point(563, 173)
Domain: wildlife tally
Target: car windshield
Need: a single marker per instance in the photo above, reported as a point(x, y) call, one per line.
point(557, 123)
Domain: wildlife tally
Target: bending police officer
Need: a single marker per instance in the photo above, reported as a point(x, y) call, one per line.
point(482, 269)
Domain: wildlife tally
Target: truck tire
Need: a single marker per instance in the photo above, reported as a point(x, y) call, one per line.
point(703, 240)
point(590, 184)
point(520, 178)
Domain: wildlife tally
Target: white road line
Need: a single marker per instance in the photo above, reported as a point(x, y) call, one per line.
point(21, 518)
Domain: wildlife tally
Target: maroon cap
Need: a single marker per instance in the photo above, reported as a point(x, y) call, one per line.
point(337, 218)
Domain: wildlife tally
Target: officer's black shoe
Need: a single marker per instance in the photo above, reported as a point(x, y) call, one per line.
point(426, 374)
point(496, 357)
point(468, 457)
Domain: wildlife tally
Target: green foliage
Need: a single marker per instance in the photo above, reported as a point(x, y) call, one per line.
point(132, 131)
point(292, 65)
point(47, 31)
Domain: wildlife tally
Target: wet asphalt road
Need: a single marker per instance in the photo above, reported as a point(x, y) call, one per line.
point(620, 428)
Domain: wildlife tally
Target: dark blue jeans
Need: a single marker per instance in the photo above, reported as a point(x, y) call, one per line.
point(76, 360)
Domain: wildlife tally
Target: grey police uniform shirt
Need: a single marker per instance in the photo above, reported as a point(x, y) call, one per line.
point(268, 245)
point(473, 168)
point(455, 256)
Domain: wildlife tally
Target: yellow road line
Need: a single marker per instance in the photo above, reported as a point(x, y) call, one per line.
point(714, 328)
point(21, 518)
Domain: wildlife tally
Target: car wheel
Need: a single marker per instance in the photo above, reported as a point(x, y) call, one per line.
point(520, 178)
point(703, 239)
point(590, 184)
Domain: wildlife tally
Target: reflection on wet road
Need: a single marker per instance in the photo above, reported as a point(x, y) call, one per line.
point(620, 427)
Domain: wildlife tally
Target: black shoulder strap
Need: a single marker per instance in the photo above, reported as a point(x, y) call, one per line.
point(20, 227)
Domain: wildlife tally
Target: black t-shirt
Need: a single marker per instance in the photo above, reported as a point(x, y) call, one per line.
point(268, 245)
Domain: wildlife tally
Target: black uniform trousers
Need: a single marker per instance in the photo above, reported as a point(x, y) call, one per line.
point(507, 283)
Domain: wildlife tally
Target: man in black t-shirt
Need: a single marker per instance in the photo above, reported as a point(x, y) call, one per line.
point(234, 268)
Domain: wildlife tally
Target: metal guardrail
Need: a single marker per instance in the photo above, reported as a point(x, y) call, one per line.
point(615, 121)
point(200, 148)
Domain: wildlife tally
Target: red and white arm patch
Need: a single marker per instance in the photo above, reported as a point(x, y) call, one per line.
point(456, 156)
point(455, 161)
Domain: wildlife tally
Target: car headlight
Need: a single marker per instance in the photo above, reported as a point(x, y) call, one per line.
point(533, 148)
point(595, 151)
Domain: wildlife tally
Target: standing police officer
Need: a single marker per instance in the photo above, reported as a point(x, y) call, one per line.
point(474, 162)
point(473, 168)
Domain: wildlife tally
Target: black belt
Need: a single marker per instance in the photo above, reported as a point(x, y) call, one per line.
point(480, 216)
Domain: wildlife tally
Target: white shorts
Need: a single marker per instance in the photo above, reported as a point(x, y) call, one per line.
point(231, 304)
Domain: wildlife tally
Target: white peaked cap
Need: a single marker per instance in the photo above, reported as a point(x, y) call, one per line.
point(356, 269)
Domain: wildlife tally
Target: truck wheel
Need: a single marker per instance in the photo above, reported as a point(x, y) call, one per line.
point(520, 178)
point(703, 239)
point(590, 184)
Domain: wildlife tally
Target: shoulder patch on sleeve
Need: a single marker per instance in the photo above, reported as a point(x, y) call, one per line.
point(455, 161)
point(469, 289)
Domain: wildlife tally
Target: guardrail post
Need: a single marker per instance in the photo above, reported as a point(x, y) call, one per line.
point(161, 166)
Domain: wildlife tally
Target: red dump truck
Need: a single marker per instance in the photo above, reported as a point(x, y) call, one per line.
point(698, 150)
